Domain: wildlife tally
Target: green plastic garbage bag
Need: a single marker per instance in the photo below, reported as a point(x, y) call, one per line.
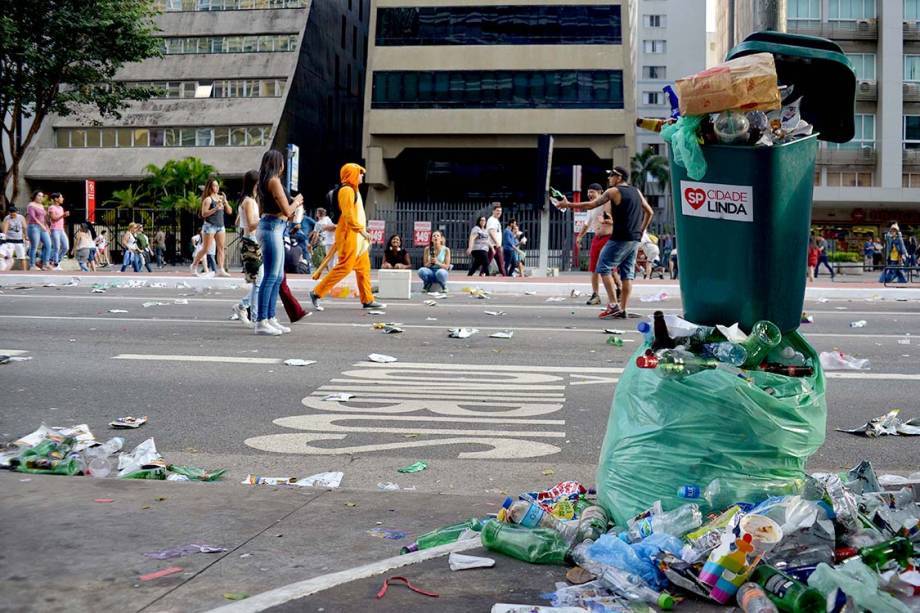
point(665, 433)
point(682, 136)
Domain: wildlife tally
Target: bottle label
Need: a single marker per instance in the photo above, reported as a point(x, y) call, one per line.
point(778, 585)
point(690, 491)
point(532, 517)
point(645, 527)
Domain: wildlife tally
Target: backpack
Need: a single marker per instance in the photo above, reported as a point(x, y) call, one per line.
point(332, 201)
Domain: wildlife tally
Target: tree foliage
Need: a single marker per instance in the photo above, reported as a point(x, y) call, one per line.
point(178, 183)
point(648, 164)
point(60, 57)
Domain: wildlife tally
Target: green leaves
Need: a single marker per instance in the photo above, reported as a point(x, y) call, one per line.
point(647, 164)
point(178, 183)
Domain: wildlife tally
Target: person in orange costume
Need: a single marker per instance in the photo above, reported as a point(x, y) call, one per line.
point(352, 242)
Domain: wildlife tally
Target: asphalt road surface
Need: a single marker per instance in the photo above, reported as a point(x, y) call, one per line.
point(488, 414)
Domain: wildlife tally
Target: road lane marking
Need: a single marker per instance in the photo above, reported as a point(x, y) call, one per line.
point(490, 368)
point(196, 358)
point(12, 352)
point(868, 376)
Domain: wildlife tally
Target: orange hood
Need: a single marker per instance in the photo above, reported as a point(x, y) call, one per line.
point(350, 174)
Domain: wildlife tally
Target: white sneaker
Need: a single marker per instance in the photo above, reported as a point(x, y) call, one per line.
point(223, 273)
point(241, 313)
point(263, 328)
point(277, 324)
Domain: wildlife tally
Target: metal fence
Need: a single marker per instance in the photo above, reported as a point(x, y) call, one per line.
point(456, 219)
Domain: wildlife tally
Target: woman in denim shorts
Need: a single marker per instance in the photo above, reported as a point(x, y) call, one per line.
point(214, 206)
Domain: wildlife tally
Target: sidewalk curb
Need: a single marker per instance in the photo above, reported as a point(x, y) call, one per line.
point(516, 286)
point(293, 591)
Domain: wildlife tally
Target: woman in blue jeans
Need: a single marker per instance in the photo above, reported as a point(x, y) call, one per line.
point(276, 212)
point(37, 231)
point(436, 263)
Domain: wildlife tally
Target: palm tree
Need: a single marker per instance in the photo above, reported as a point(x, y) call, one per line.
point(648, 166)
point(178, 183)
point(127, 198)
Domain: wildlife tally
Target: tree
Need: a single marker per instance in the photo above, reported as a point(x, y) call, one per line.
point(60, 57)
point(178, 183)
point(127, 198)
point(648, 164)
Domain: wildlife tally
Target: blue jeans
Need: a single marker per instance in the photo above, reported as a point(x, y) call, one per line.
point(620, 255)
point(131, 259)
point(60, 245)
point(822, 259)
point(891, 275)
point(271, 238)
point(251, 301)
point(429, 276)
point(36, 234)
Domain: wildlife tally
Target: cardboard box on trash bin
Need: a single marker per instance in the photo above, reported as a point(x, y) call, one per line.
point(394, 284)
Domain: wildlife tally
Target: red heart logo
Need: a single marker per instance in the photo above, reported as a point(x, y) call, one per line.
point(695, 197)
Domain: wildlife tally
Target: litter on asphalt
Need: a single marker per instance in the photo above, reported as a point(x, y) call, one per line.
point(298, 362)
point(461, 332)
point(381, 358)
point(128, 422)
point(888, 424)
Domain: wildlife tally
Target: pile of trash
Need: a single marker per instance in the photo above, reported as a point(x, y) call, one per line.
point(845, 541)
point(75, 451)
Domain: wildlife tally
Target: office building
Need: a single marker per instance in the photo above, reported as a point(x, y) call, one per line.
point(669, 43)
point(236, 77)
point(863, 185)
point(458, 94)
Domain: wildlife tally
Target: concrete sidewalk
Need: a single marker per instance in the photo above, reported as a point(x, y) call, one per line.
point(855, 287)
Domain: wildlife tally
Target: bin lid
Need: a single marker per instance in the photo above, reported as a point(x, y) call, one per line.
point(819, 71)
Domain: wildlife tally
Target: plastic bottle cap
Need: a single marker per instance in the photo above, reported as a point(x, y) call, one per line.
point(666, 601)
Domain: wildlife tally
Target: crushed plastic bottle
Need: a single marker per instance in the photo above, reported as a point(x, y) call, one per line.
point(727, 352)
point(592, 523)
point(537, 545)
point(531, 515)
point(443, 536)
point(752, 599)
point(633, 588)
point(837, 360)
point(859, 582)
point(678, 522)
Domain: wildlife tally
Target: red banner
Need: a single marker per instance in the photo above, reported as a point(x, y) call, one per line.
point(421, 233)
point(376, 228)
point(91, 200)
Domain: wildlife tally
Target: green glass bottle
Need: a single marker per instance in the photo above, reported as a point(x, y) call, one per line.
point(534, 545)
point(898, 550)
point(788, 594)
point(443, 536)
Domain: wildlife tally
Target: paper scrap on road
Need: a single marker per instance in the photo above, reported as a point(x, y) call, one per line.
point(437, 295)
point(415, 467)
point(387, 486)
point(154, 303)
point(888, 424)
point(858, 324)
point(330, 479)
point(144, 455)
point(613, 331)
point(555, 299)
point(495, 313)
point(72, 283)
point(157, 285)
point(459, 561)
point(339, 397)
point(837, 360)
point(431, 303)
point(381, 358)
point(117, 311)
point(502, 334)
point(97, 290)
point(164, 572)
point(392, 329)
point(387, 533)
point(431, 319)
point(58, 434)
point(376, 312)
point(183, 285)
point(659, 297)
point(822, 299)
point(298, 362)
point(530, 293)
point(128, 422)
point(905, 340)
point(461, 332)
point(180, 301)
point(5, 359)
point(184, 550)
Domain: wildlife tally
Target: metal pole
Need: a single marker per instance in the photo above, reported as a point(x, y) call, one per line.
point(768, 15)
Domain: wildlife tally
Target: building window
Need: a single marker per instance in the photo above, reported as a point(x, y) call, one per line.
point(354, 42)
point(654, 72)
point(654, 148)
point(912, 10)
point(361, 10)
point(864, 64)
point(912, 68)
point(851, 10)
point(651, 98)
point(864, 135)
point(912, 131)
point(849, 179)
point(499, 25)
point(252, 136)
point(174, 6)
point(226, 88)
point(498, 89)
point(654, 21)
point(654, 46)
point(803, 10)
point(268, 43)
point(338, 69)
point(344, 29)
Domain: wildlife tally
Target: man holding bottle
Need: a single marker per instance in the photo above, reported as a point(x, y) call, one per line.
point(631, 217)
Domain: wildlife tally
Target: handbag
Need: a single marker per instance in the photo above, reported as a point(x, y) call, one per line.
point(251, 256)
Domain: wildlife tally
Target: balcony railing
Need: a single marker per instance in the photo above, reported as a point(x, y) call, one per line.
point(864, 155)
point(861, 29)
point(912, 30)
point(867, 90)
point(912, 92)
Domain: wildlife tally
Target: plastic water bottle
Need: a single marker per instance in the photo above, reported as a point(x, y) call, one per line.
point(531, 515)
point(727, 352)
point(443, 536)
point(752, 599)
point(537, 546)
point(591, 524)
point(675, 364)
point(678, 522)
point(645, 329)
point(633, 588)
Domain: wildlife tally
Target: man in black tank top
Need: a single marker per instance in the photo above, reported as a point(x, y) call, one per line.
point(631, 217)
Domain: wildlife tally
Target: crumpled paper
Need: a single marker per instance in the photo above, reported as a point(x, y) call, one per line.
point(888, 424)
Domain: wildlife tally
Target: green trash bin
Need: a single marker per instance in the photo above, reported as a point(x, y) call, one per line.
point(743, 228)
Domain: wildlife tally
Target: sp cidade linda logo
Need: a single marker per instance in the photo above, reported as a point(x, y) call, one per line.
point(717, 201)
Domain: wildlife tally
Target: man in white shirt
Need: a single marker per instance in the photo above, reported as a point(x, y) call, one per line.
point(494, 228)
point(327, 228)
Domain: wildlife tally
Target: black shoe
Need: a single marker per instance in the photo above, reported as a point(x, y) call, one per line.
point(373, 304)
point(314, 299)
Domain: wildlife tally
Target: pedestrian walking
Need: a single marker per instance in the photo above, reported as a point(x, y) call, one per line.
point(821, 243)
point(911, 243)
point(395, 256)
point(600, 223)
point(248, 223)
point(84, 246)
point(494, 227)
point(214, 206)
point(895, 255)
point(14, 228)
point(131, 251)
point(276, 212)
point(102, 248)
point(868, 253)
point(143, 246)
point(159, 248)
point(38, 233)
point(326, 230)
point(478, 248)
point(812, 260)
point(352, 242)
point(60, 245)
point(436, 263)
point(631, 218)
